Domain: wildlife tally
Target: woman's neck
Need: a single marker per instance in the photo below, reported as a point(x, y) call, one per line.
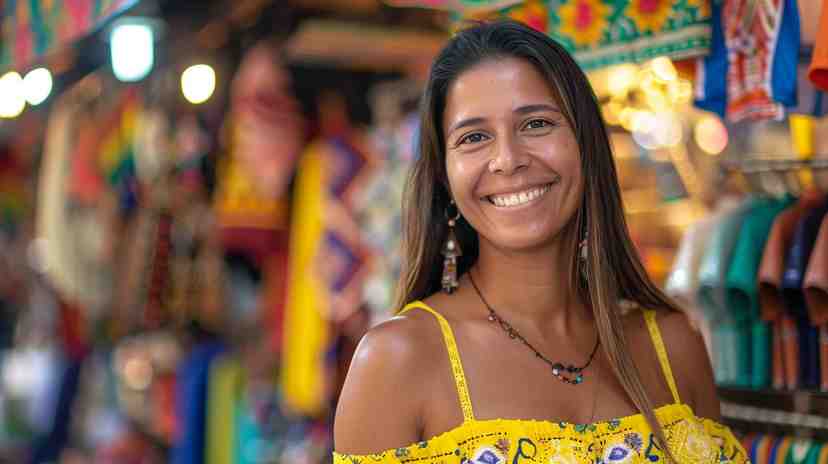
point(531, 287)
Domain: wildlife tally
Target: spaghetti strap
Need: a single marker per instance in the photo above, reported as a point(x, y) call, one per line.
point(454, 358)
point(658, 343)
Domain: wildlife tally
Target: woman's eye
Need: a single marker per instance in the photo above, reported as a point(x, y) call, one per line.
point(537, 124)
point(476, 137)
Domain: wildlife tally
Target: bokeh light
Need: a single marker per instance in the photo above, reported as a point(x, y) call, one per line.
point(198, 83)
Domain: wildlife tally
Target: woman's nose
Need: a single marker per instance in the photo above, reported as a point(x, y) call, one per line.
point(510, 157)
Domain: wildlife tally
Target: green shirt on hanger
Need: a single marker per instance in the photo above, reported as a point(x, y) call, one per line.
point(742, 295)
point(741, 289)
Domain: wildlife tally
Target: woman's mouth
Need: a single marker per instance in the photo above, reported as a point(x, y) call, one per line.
point(510, 200)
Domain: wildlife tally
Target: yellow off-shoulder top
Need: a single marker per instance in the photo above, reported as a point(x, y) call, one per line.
point(692, 440)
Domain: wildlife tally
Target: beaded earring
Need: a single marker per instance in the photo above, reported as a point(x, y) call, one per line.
point(451, 251)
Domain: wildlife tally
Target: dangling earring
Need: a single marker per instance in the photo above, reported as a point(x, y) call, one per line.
point(583, 256)
point(451, 251)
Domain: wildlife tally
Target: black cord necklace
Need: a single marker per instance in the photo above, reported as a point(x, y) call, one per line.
point(558, 369)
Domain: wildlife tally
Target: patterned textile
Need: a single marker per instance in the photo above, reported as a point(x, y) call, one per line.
point(327, 264)
point(623, 440)
point(33, 28)
point(762, 40)
point(380, 214)
point(601, 33)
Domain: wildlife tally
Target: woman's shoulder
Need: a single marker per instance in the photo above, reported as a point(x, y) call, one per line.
point(686, 354)
point(386, 388)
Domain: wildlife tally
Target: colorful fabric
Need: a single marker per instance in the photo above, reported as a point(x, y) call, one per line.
point(710, 88)
point(32, 29)
point(810, 100)
point(327, 265)
point(193, 374)
point(816, 278)
point(223, 391)
point(600, 33)
point(762, 40)
point(818, 71)
point(380, 214)
point(741, 290)
point(629, 439)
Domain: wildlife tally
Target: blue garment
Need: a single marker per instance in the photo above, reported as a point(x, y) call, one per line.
point(193, 374)
point(711, 85)
point(796, 264)
point(47, 449)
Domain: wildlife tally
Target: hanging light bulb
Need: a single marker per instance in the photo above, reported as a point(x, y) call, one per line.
point(12, 95)
point(198, 83)
point(37, 85)
point(132, 48)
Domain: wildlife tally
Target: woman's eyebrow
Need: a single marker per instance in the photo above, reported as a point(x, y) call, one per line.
point(466, 123)
point(536, 108)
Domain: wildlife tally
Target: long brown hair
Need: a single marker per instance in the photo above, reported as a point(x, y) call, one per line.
point(615, 270)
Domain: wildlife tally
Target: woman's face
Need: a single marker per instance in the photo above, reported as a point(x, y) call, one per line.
point(512, 160)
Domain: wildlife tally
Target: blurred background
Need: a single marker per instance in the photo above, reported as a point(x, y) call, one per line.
point(200, 207)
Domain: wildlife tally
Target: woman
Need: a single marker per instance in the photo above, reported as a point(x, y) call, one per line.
point(528, 356)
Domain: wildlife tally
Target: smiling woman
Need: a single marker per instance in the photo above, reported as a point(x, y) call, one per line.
point(515, 167)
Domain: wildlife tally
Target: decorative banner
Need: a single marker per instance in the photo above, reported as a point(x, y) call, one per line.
point(32, 29)
point(600, 33)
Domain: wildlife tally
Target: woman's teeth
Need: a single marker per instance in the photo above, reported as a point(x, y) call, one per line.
point(519, 198)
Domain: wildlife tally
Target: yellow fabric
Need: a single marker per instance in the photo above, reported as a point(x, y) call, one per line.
point(454, 358)
point(305, 324)
point(691, 439)
point(225, 378)
point(658, 343)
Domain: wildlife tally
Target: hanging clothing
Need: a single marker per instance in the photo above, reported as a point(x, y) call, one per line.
point(716, 260)
point(815, 286)
point(193, 374)
point(691, 439)
point(795, 266)
point(328, 263)
point(710, 91)
point(810, 100)
point(682, 283)
point(380, 215)
point(763, 47)
point(741, 291)
point(772, 265)
point(224, 384)
point(754, 45)
point(818, 71)
point(734, 360)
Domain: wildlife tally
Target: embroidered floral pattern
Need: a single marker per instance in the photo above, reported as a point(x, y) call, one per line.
point(634, 441)
point(618, 454)
point(649, 15)
point(584, 21)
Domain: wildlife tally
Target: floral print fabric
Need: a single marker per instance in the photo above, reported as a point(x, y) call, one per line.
point(627, 440)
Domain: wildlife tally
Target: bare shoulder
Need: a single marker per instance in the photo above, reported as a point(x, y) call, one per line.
point(689, 361)
point(381, 404)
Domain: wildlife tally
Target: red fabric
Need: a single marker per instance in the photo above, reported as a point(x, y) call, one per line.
point(71, 331)
point(818, 71)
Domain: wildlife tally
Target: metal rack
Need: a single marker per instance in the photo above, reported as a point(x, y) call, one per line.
point(759, 165)
point(797, 413)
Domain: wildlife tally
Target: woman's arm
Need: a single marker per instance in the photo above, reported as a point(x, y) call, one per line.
point(381, 404)
point(691, 365)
